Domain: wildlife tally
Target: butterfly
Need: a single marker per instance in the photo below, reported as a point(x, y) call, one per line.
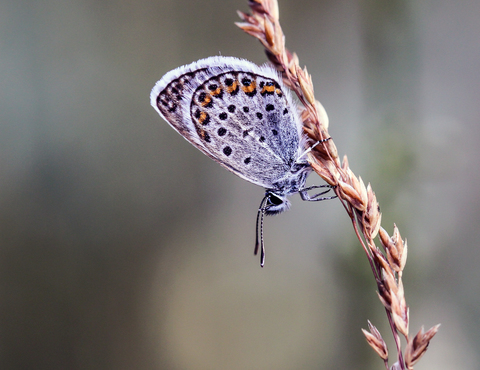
point(243, 117)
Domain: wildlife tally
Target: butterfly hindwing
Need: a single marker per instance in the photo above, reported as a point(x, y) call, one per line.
point(237, 113)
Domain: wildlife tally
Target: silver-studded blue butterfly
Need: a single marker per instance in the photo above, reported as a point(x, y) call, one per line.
point(243, 117)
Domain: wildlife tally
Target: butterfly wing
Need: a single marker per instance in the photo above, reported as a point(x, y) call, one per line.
point(237, 113)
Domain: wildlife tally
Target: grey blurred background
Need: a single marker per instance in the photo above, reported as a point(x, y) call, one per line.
point(123, 247)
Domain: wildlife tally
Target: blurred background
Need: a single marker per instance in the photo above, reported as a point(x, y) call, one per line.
point(123, 247)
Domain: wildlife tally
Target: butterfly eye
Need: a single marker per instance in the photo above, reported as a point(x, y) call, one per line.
point(274, 200)
point(276, 204)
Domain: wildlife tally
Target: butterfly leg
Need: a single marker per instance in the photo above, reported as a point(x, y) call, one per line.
point(317, 197)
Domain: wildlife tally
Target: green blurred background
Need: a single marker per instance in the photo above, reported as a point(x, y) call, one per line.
point(123, 247)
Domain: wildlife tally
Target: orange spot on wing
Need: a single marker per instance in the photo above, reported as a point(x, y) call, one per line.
point(232, 87)
point(203, 117)
point(249, 88)
point(216, 92)
point(207, 100)
point(268, 89)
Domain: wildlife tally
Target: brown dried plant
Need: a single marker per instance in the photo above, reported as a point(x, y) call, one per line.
point(358, 200)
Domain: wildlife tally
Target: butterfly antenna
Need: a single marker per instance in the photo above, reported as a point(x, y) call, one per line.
point(313, 146)
point(262, 245)
point(259, 242)
point(256, 232)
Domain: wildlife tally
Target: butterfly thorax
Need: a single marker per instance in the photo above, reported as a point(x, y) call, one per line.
point(293, 181)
